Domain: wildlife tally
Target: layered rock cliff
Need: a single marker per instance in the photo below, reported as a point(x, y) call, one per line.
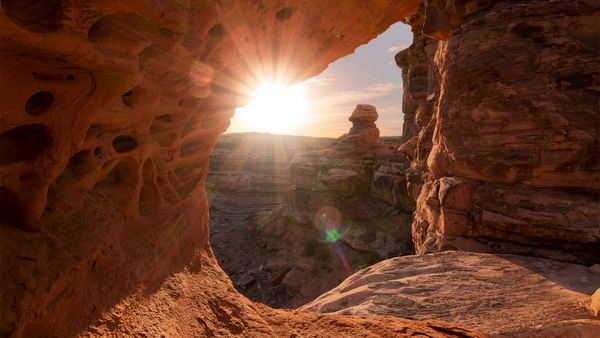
point(504, 124)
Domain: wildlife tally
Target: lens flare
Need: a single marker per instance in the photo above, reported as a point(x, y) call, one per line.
point(329, 220)
point(332, 235)
point(342, 256)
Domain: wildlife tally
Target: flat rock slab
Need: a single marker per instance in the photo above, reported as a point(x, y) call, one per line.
point(492, 294)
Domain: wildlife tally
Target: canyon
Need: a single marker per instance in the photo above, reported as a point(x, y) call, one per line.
point(248, 178)
point(274, 200)
point(110, 111)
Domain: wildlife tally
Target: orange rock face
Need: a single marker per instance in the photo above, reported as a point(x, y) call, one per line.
point(506, 112)
point(109, 112)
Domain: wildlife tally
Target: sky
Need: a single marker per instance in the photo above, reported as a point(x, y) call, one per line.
point(369, 75)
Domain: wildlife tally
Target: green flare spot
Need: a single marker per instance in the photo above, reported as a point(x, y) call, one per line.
point(332, 235)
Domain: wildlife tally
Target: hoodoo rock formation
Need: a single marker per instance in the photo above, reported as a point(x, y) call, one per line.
point(110, 109)
point(364, 134)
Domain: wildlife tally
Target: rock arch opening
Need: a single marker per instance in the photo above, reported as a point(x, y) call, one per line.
point(273, 196)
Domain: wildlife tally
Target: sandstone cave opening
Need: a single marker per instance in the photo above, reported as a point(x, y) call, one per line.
point(110, 111)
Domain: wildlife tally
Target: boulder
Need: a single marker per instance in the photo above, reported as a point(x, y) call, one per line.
point(498, 295)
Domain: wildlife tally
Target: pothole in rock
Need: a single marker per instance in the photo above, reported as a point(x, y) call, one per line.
point(38, 103)
point(24, 143)
point(40, 16)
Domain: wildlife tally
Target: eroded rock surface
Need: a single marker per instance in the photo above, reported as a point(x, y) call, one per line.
point(595, 303)
point(493, 294)
point(182, 308)
point(364, 134)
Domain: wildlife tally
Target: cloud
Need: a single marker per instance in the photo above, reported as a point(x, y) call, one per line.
point(396, 49)
point(357, 96)
point(390, 109)
point(391, 119)
point(319, 81)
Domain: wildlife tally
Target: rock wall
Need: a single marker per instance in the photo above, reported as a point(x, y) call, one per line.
point(109, 112)
point(506, 109)
point(110, 109)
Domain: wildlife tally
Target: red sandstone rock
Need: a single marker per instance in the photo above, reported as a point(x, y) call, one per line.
point(504, 295)
point(581, 328)
point(186, 306)
point(110, 109)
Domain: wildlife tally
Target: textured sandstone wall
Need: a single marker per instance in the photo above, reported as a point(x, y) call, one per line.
point(508, 128)
point(109, 112)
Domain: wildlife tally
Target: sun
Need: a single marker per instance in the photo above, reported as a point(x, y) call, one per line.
point(275, 109)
